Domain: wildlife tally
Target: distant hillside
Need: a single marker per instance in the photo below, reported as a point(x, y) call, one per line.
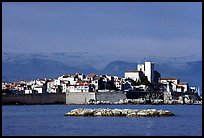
point(38, 68)
point(26, 67)
point(190, 72)
point(118, 68)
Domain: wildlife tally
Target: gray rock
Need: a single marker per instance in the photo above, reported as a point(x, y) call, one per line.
point(119, 112)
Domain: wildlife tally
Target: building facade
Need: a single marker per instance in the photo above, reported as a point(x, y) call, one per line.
point(134, 75)
point(148, 69)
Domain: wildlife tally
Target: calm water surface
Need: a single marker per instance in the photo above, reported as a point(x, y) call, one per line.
point(49, 120)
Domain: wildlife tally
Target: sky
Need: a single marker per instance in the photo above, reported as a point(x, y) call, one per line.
point(169, 29)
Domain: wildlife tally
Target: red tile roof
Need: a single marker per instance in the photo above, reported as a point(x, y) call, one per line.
point(179, 86)
point(83, 84)
point(91, 75)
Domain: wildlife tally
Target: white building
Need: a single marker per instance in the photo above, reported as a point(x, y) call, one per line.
point(95, 83)
point(31, 82)
point(141, 87)
point(28, 91)
point(174, 82)
point(193, 89)
point(91, 77)
point(179, 88)
point(56, 82)
point(134, 74)
point(4, 85)
point(64, 86)
point(50, 86)
point(64, 78)
point(118, 84)
point(80, 76)
point(39, 82)
point(40, 89)
point(185, 85)
point(148, 69)
point(53, 89)
point(109, 77)
point(71, 79)
point(78, 88)
point(141, 67)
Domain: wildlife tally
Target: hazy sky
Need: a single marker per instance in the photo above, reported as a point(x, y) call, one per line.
point(123, 28)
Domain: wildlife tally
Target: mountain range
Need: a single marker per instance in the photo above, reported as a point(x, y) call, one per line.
point(28, 66)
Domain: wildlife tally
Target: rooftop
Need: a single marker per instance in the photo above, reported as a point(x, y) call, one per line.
point(133, 71)
point(183, 83)
point(91, 75)
point(179, 87)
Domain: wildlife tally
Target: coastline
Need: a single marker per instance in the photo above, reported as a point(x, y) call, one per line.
point(61, 99)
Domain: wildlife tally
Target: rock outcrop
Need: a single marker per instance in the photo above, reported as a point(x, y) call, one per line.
point(119, 112)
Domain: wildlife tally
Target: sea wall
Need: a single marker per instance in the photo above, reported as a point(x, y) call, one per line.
point(176, 95)
point(145, 95)
point(86, 97)
point(44, 98)
point(110, 96)
point(79, 97)
point(164, 97)
point(117, 97)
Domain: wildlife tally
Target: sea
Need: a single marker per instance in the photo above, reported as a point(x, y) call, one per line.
point(49, 120)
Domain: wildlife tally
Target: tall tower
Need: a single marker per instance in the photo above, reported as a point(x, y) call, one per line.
point(149, 71)
point(141, 67)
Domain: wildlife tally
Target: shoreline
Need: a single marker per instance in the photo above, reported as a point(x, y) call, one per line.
point(93, 104)
point(101, 98)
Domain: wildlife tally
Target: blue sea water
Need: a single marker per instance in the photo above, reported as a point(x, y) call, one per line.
point(49, 120)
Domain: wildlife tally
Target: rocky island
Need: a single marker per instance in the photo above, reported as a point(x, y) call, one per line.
point(119, 112)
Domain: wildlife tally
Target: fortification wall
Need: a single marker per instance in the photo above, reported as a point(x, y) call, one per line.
point(79, 97)
point(110, 96)
point(145, 95)
point(44, 98)
point(85, 97)
point(175, 95)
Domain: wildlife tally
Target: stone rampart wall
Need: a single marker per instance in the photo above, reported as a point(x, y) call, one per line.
point(44, 98)
point(110, 96)
point(79, 97)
